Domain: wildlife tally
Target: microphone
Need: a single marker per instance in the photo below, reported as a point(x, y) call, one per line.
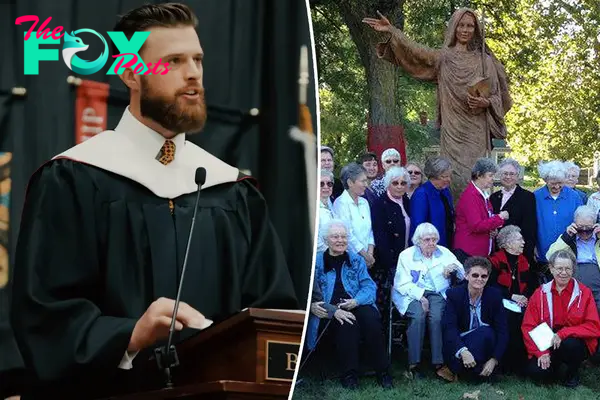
point(166, 357)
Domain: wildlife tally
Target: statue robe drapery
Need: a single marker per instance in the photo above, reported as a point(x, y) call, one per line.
point(465, 134)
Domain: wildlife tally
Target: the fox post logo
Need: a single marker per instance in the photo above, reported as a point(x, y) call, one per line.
point(128, 56)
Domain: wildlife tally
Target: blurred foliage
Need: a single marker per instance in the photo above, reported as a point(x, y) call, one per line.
point(550, 49)
point(551, 52)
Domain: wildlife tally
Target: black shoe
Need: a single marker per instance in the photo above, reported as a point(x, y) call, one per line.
point(572, 382)
point(350, 381)
point(492, 379)
point(414, 373)
point(385, 380)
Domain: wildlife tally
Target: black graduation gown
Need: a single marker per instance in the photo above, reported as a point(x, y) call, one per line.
point(12, 373)
point(95, 249)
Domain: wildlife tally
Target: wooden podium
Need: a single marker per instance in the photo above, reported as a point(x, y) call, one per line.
point(251, 355)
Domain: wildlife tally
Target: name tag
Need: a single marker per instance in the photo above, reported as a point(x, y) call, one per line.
point(282, 358)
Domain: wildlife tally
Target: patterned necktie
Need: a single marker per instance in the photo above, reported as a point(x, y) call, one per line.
point(167, 152)
point(166, 156)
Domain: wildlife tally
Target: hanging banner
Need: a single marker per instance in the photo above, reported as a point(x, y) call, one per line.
point(5, 187)
point(382, 137)
point(91, 109)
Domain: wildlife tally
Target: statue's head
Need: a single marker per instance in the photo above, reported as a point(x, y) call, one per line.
point(464, 28)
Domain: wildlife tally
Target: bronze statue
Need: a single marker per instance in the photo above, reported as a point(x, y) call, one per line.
point(472, 87)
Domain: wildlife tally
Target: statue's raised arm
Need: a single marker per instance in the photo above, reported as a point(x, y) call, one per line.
point(417, 60)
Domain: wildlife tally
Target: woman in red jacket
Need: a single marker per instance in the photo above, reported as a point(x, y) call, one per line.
point(476, 222)
point(568, 307)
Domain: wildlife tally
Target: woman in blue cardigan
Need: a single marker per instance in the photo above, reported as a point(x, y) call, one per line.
point(432, 201)
point(344, 282)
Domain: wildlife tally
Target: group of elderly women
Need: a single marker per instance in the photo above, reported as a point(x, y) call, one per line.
point(479, 278)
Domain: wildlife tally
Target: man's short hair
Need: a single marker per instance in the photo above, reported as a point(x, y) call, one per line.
point(153, 15)
point(367, 157)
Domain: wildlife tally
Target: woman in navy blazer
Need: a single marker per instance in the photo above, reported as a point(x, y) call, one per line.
point(475, 331)
point(391, 222)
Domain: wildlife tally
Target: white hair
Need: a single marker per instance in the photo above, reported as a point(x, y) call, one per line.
point(569, 165)
point(424, 229)
point(389, 153)
point(506, 235)
point(585, 212)
point(483, 166)
point(327, 226)
point(327, 173)
point(514, 163)
point(436, 166)
point(552, 170)
point(395, 173)
point(327, 149)
point(351, 171)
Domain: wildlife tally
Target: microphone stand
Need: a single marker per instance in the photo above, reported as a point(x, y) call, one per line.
point(166, 356)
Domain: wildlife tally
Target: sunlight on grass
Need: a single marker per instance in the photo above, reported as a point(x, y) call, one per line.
point(435, 389)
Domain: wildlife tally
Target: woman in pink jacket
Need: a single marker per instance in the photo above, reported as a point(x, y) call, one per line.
point(476, 223)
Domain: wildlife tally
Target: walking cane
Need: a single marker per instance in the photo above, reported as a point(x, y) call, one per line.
point(313, 349)
point(390, 314)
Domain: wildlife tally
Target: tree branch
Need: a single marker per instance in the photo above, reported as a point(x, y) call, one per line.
point(571, 10)
point(331, 21)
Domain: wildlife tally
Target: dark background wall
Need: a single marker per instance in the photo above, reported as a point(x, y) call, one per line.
point(251, 61)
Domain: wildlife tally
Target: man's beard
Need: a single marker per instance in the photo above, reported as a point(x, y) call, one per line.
point(171, 113)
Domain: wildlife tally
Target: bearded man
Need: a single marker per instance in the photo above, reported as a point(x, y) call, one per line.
point(105, 227)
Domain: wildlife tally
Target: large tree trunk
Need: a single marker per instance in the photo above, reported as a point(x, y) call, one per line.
point(385, 113)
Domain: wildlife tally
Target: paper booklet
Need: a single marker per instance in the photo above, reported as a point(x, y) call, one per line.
point(542, 336)
point(511, 305)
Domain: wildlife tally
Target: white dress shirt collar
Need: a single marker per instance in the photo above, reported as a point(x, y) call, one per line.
point(147, 140)
point(484, 194)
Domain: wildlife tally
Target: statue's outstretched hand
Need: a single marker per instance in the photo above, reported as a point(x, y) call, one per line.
point(380, 25)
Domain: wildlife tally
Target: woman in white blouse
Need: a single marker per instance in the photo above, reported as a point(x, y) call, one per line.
point(325, 206)
point(423, 275)
point(355, 210)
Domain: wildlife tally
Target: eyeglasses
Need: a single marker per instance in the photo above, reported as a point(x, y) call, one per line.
point(414, 172)
point(509, 174)
point(586, 229)
point(392, 161)
point(396, 183)
point(337, 237)
point(475, 275)
point(563, 270)
point(329, 184)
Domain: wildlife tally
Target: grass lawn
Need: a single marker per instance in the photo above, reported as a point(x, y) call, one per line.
point(508, 388)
